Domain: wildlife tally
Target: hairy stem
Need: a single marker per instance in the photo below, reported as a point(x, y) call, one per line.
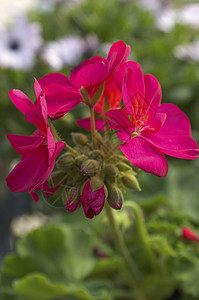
point(92, 116)
point(58, 139)
point(143, 234)
point(119, 241)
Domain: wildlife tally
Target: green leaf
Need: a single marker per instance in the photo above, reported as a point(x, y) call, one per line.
point(38, 286)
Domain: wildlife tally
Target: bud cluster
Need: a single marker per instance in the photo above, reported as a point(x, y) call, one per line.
point(101, 166)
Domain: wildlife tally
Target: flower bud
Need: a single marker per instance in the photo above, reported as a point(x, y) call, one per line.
point(115, 196)
point(99, 138)
point(79, 138)
point(80, 159)
point(90, 167)
point(71, 198)
point(131, 182)
point(110, 172)
point(95, 154)
point(123, 167)
point(66, 160)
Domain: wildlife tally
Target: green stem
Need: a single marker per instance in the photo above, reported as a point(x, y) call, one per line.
point(143, 234)
point(119, 241)
point(92, 114)
point(57, 138)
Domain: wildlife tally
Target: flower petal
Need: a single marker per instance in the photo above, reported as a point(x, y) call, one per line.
point(145, 156)
point(153, 95)
point(53, 78)
point(20, 100)
point(23, 144)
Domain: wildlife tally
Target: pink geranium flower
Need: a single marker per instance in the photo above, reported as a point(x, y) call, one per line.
point(92, 201)
point(189, 234)
point(38, 152)
point(147, 128)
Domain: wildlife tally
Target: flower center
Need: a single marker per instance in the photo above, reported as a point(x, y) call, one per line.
point(14, 45)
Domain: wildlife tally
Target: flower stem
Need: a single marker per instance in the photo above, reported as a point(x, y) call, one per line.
point(57, 138)
point(92, 114)
point(119, 241)
point(143, 234)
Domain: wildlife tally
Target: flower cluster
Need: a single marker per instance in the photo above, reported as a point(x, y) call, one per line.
point(91, 173)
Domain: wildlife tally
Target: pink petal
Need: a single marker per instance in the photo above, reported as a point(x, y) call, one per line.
point(86, 124)
point(51, 145)
point(61, 100)
point(92, 202)
point(156, 121)
point(20, 100)
point(145, 156)
point(53, 78)
point(38, 115)
point(38, 89)
point(92, 74)
point(153, 95)
point(71, 207)
point(23, 144)
point(26, 174)
point(189, 234)
point(133, 90)
point(34, 196)
point(176, 123)
point(121, 53)
point(181, 146)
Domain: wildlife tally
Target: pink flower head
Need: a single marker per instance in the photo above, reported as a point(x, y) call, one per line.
point(149, 129)
point(60, 93)
point(92, 201)
point(38, 154)
point(93, 72)
point(189, 234)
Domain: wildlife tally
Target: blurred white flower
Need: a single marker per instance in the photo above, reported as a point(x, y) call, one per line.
point(10, 9)
point(19, 44)
point(64, 52)
point(167, 19)
point(190, 51)
point(189, 15)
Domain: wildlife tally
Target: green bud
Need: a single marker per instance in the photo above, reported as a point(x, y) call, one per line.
point(90, 167)
point(79, 138)
point(98, 94)
point(80, 159)
point(131, 182)
point(123, 167)
point(85, 96)
point(99, 138)
point(95, 154)
point(110, 172)
point(96, 183)
point(115, 196)
point(65, 160)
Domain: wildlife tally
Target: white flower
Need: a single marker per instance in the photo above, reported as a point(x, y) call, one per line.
point(104, 48)
point(10, 9)
point(189, 15)
point(19, 44)
point(190, 51)
point(64, 52)
point(167, 19)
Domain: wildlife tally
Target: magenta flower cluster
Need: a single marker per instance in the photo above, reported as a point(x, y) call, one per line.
point(147, 129)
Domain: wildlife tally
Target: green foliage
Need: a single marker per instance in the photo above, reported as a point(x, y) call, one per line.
point(52, 262)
